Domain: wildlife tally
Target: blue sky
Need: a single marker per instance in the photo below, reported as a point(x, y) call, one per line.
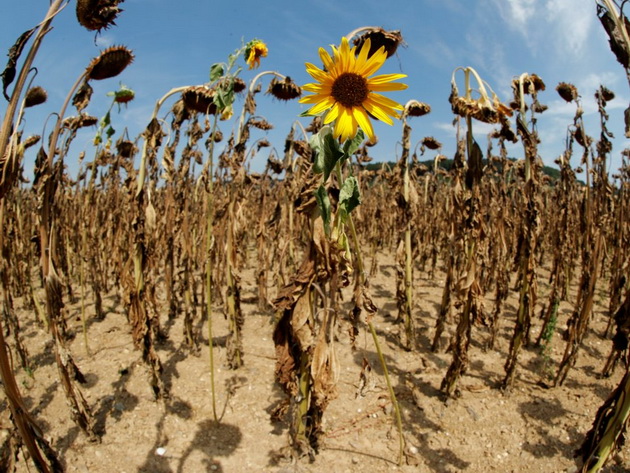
point(176, 42)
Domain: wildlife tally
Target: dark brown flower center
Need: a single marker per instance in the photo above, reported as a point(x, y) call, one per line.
point(350, 89)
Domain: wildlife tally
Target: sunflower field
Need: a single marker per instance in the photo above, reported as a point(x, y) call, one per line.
point(168, 310)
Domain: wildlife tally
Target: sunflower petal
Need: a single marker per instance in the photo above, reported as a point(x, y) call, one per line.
point(332, 114)
point(317, 74)
point(386, 102)
point(378, 112)
point(380, 79)
point(363, 55)
point(317, 88)
point(326, 59)
point(321, 106)
point(388, 87)
point(374, 63)
point(364, 121)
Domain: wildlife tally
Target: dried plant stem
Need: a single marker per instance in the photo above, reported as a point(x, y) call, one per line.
point(408, 323)
point(468, 286)
point(208, 255)
point(82, 284)
point(235, 318)
point(31, 434)
point(610, 423)
point(445, 304)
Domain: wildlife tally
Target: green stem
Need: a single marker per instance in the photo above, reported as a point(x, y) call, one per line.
point(363, 278)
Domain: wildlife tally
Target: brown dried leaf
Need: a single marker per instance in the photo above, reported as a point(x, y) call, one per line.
point(301, 321)
point(82, 98)
point(14, 54)
point(324, 367)
point(367, 383)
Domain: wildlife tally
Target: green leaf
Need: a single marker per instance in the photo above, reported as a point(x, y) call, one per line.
point(323, 203)
point(216, 71)
point(106, 120)
point(349, 196)
point(351, 146)
point(327, 152)
point(223, 98)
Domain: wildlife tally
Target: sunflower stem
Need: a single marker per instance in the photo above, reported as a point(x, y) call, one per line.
point(363, 280)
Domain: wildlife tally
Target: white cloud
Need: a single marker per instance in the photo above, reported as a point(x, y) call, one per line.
point(572, 21)
point(521, 11)
point(517, 13)
point(589, 83)
point(104, 40)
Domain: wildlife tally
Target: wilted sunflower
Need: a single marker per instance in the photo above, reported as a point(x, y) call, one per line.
point(346, 90)
point(254, 50)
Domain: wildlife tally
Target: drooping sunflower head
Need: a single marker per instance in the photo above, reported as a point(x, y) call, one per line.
point(96, 15)
point(35, 96)
point(346, 89)
point(380, 38)
point(254, 50)
point(109, 63)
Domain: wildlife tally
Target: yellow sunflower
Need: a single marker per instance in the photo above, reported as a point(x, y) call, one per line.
point(254, 50)
point(346, 90)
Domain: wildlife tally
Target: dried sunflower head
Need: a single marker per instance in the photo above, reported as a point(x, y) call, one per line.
point(284, 89)
point(109, 63)
point(96, 15)
point(413, 108)
point(217, 136)
point(532, 83)
point(126, 148)
point(431, 143)
point(605, 93)
point(275, 165)
point(567, 91)
point(378, 37)
point(199, 99)
point(30, 141)
point(487, 108)
point(80, 121)
point(260, 123)
point(239, 85)
point(35, 96)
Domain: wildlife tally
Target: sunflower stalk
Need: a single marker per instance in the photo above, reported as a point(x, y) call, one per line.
point(405, 273)
point(526, 84)
point(611, 421)
point(469, 218)
point(209, 195)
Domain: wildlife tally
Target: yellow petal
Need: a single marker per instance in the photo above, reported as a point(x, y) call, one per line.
point(380, 79)
point(313, 98)
point(326, 59)
point(374, 63)
point(321, 106)
point(379, 113)
point(387, 87)
point(386, 102)
point(363, 55)
point(317, 88)
point(332, 114)
point(364, 121)
point(317, 73)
